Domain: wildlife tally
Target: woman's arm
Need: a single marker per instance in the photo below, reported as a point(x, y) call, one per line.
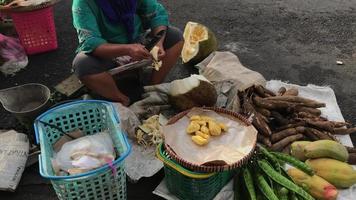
point(109, 51)
point(90, 38)
point(152, 14)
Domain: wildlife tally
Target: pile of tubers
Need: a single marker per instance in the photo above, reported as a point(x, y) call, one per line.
point(285, 117)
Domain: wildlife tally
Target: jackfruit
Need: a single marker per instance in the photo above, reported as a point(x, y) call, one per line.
point(193, 127)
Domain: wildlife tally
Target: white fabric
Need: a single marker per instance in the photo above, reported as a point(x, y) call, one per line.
point(332, 111)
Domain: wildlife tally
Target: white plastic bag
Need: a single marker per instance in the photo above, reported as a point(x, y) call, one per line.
point(12, 54)
point(84, 154)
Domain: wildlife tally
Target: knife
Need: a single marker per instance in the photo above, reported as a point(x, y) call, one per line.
point(149, 43)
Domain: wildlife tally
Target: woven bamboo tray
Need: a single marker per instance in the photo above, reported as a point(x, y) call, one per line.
point(212, 167)
point(12, 9)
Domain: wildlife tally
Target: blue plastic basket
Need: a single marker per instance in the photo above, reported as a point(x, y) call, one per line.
point(90, 116)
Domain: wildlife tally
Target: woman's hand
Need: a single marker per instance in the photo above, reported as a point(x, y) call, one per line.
point(125, 101)
point(161, 52)
point(138, 52)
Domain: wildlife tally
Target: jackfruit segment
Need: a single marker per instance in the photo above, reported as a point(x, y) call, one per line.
point(195, 118)
point(199, 140)
point(214, 128)
point(205, 130)
point(205, 136)
point(203, 127)
point(223, 127)
point(193, 127)
point(156, 63)
point(193, 34)
point(206, 118)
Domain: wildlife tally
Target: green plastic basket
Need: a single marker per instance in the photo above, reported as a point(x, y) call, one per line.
point(90, 116)
point(189, 185)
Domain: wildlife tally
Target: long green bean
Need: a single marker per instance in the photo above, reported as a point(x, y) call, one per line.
point(269, 171)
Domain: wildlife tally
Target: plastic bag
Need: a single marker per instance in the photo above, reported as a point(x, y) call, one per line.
point(229, 76)
point(84, 154)
point(14, 148)
point(222, 66)
point(12, 55)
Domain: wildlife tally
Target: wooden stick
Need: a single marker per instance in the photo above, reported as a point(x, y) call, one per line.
point(301, 123)
point(275, 137)
point(282, 143)
point(322, 125)
point(321, 135)
point(340, 124)
point(264, 140)
point(272, 104)
point(311, 116)
point(351, 149)
point(300, 100)
point(279, 118)
point(263, 111)
point(344, 131)
point(260, 91)
point(286, 149)
point(352, 159)
point(291, 92)
point(301, 129)
point(310, 135)
point(313, 111)
point(281, 91)
point(267, 91)
point(258, 120)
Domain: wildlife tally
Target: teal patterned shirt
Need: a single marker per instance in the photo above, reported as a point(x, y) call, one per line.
point(94, 29)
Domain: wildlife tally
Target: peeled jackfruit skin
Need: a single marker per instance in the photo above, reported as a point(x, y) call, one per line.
point(203, 95)
point(206, 47)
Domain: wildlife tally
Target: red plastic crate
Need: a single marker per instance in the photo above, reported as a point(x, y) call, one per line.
point(36, 30)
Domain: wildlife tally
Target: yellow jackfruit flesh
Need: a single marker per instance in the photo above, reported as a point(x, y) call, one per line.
point(195, 118)
point(205, 130)
point(199, 140)
point(206, 118)
point(223, 127)
point(193, 127)
point(205, 136)
point(214, 128)
point(201, 122)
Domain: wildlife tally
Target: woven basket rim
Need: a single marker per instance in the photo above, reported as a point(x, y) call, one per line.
point(211, 168)
point(19, 9)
